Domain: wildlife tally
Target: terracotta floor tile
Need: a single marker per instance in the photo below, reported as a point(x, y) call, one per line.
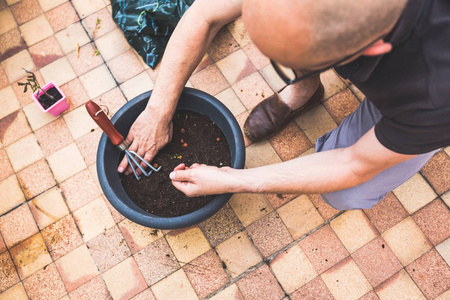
point(113, 100)
point(8, 276)
point(17, 292)
point(145, 295)
point(415, 193)
point(48, 208)
point(252, 90)
point(76, 268)
point(4, 82)
point(66, 162)
point(99, 23)
point(300, 216)
point(290, 142)
point(431, 274)
point(346, 281)
point(49, 4)
point(62, 16)
point(45, 52)
point(13, 127)
point(259, 284)
point(85, 59)
point(400, 286)
point(24, 152)
point(45, 284)
point(437, 172)
point(137, 236)
point(87, 7)
point(36, 30)
point(231, 101)
point(206, 274)
point(269, 234)
point(125, 66)
point(292, 269)
point(54, 136)
point(79, 190)
point(377, 261)
point(187, 244)
point(5, 165)
point(112, 44)
point(236, 66)
point(175, 286)
point(315, 289)
point(17, 225)
point(231, 292)
point(108, 249)
point(277, 200)
point(316, 123)
point(444, 250)
point(434, 221)
point(222, 45)
point(7, 21)
point(156, 261)
point(386, 213)
point(25, 98)
point(9, 101)
point(323, 249)
point(26, 10)
point(125, 280)
point(62, 237)
point(250, 207)
point(221, 226)
point(75, 93)
point(238, 254)
point(93, 289)
point(241, 120)
point(88, 145)
point(13, 65)
point(36, 118)
point(324, 209)
point(97, 81)
point(60, 71)
point(258, 59)
point(341, 105)
point(260, 154)
point(137, 85)
point(30, 256)
point(93, 219)
point(71, 36)
point(444, 296)
point(332, 83)
point(209, 80)
point(407, 241)
point(11, 195)
point(354, 229)
point(238, 31)
point(79, 122)
point(272, 78)
point(370, 296)
point(206, 61)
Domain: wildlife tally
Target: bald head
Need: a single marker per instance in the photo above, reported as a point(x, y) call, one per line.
point(309, 33)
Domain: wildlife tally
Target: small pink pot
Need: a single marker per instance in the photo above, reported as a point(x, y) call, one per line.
point(57, 108)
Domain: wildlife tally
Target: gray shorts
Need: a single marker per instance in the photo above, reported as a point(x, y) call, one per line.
point(373, 191)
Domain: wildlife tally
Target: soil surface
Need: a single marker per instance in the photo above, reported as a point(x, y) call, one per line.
point(46, 101)
point(196, 139)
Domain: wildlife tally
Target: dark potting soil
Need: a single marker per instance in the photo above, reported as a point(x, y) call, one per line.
point(196, 139)
point(46, 101)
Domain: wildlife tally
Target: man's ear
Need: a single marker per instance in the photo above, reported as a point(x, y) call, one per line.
point(378, 48)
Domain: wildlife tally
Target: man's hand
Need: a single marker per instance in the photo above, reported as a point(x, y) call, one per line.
point(200, 180)
point(147, 136)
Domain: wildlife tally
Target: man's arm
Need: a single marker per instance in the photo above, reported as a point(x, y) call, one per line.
point(322, 172)
point(187, 46)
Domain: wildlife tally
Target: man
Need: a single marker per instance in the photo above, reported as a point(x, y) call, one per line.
point(395, 52)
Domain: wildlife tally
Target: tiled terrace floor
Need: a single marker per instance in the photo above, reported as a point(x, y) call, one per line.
point(60, 238)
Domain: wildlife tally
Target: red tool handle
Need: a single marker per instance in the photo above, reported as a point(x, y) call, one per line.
point(103, 121)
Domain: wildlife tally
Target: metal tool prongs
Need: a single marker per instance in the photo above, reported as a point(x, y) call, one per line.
point(99, 116)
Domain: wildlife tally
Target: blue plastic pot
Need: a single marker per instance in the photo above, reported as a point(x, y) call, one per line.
point(108, 157)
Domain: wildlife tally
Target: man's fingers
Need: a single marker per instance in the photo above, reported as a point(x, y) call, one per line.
point(123, 164)
point(180, 175)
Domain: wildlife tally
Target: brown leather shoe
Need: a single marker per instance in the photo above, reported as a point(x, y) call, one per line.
point(272, 115)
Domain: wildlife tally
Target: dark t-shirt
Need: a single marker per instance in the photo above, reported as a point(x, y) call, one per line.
point(411, 84)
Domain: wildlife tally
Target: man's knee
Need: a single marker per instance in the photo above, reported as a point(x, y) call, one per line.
point(342, 200)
